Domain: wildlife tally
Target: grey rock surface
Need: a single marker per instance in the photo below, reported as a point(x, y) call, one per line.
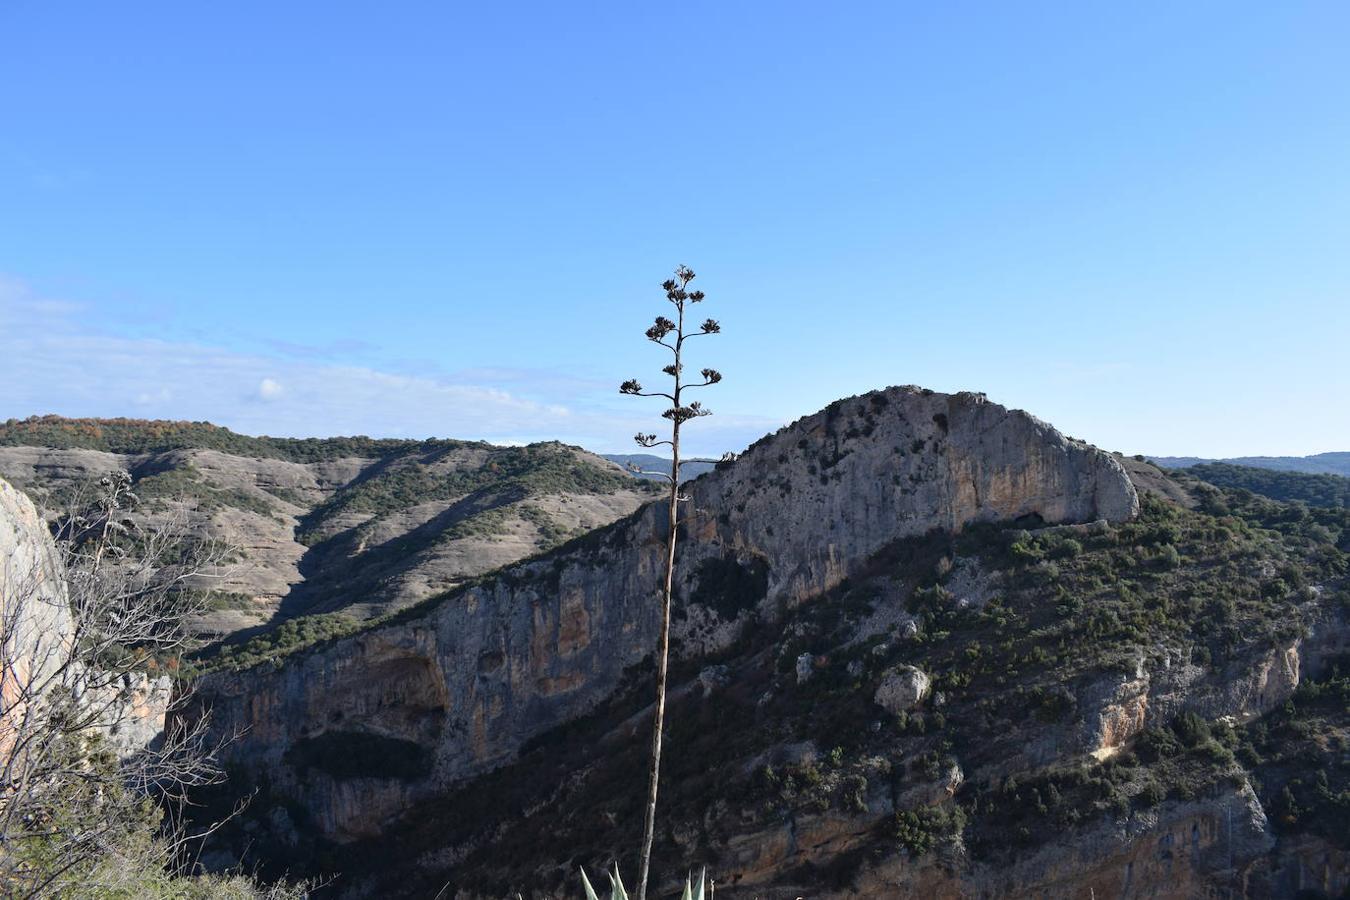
point(35, 623)
point(901, 689)
point(474, 675)
point(37, 631)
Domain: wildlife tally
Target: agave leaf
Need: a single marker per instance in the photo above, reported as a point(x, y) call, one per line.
point(693, 890)
point(616, 885)
point(586, 883)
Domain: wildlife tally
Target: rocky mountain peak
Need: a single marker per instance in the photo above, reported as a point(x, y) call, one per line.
point(462, 681)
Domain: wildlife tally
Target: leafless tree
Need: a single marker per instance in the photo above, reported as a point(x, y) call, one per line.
point(81, 626)
point(671, 334)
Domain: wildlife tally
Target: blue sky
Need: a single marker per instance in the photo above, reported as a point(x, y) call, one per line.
point(430, 218)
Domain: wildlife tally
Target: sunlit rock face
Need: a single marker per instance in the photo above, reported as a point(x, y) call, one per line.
point(34, 609)
point(902, 689)
point(471, 677)
point(37, 631)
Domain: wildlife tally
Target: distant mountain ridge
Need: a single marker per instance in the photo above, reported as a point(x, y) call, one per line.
point(123, 435)
point(650, 464)
point(1302, 487)
point(1334, 463)
point(351, 525)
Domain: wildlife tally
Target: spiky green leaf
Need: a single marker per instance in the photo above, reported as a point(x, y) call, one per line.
point(586, 883)
point(616, 885)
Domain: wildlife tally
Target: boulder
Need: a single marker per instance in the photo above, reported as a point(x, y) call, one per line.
point(902, 688)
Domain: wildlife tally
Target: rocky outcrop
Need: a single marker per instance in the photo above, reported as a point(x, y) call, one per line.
point(1211, 846)
point(35, 625)
point(1118, 710)
point(1116, 713)
point(902, 689)
point(474, 675)
point(1207, 847)
point(136, 712)
point(37, 654)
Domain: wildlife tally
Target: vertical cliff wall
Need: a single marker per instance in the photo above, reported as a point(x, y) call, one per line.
point(35, 623)
point(37, 634)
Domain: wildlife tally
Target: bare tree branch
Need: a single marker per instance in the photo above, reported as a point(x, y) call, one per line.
point(83, 640)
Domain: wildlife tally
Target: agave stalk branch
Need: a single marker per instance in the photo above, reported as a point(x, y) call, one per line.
point(678, 414)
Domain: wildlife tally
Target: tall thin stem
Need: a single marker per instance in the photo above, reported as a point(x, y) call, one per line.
point(678, 413)
point(663, 644)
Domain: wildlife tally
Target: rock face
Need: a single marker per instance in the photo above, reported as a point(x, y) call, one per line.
point(137, 712)
point(35, 624)
point(36, 634)
point(1241, 692)
point(1165, 854)
point(471, 677)
point(902, 689)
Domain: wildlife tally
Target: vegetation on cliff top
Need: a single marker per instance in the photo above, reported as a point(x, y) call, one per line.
point(1301, 487)
point(131, 436)
point(515, 473)
point(1334, 463)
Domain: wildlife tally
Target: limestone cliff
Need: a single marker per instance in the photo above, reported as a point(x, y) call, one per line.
point(35, 624)
point(469, 678)
point(37, 640)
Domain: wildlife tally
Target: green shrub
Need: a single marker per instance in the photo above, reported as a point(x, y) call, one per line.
point(1156, 744)
point(1151, 794)
point(1190, 729)
point(286, 638)
point(918, 831)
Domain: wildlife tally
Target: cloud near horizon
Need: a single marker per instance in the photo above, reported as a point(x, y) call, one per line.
point(51, 362)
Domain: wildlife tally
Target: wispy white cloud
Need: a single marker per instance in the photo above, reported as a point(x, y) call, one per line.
point(52, 361)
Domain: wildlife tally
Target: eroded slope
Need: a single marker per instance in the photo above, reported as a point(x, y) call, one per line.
point(344, 525)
